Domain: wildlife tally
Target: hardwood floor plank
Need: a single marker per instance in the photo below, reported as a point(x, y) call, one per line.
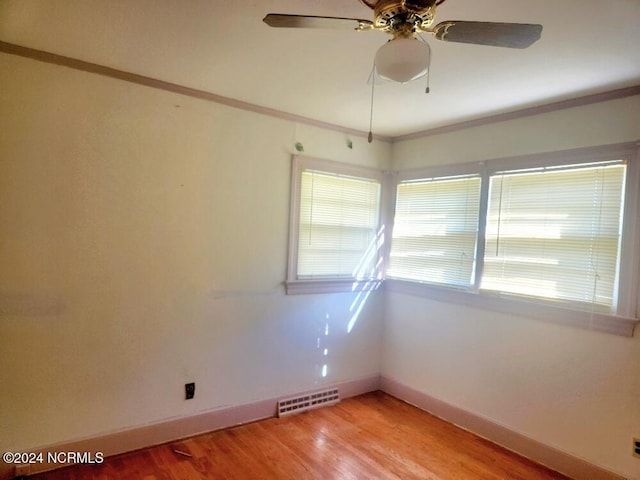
point(373, 436)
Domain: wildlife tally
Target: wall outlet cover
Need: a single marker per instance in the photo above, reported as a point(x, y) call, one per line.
point(189, 390)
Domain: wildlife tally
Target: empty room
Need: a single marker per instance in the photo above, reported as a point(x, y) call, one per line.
point(349, 239)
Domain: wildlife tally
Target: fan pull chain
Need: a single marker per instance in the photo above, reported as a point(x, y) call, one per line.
point(427, 90)
point(373, 85)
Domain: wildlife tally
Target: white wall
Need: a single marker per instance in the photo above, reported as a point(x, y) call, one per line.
point(143, 245)
point(571, 389)
point(143, 242)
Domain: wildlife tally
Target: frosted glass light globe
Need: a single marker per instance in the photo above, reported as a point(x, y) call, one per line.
point(403, 59)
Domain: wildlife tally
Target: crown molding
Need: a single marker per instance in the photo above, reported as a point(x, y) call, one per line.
point(76, 64)
point(525, 112)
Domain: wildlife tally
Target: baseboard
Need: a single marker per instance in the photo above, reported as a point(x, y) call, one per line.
point(550, 457)
point(173, 430)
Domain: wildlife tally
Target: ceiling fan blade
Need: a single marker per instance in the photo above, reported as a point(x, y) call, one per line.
point(510, 35)
point(281, 20)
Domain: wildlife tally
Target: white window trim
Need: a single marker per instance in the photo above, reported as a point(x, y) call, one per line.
point(622, 323)
point(296, 286)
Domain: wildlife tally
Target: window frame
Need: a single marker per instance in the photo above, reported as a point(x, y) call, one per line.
point(622, 322)
point(295, 285)
point(436, 173)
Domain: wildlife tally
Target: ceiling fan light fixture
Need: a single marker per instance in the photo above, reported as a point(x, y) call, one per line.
point(403, 59)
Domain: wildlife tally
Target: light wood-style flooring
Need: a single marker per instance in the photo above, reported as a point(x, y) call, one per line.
point(373, 436)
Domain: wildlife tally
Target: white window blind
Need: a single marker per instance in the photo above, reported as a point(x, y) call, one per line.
point(338, 226)
point(435, 231)
point(555, 233)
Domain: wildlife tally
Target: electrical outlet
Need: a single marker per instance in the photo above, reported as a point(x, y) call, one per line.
point(189, 390)
point(636, 447)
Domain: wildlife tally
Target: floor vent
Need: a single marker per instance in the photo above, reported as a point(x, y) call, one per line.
point(289, 406)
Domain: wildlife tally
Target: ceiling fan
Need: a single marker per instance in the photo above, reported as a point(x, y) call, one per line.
point(406, 56)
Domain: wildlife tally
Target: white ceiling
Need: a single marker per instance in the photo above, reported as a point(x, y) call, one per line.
point(223, 47)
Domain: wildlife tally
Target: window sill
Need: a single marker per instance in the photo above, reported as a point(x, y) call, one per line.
point(303, 287)
point(596, 321)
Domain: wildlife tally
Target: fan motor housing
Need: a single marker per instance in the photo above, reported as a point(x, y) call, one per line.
point(395, 15)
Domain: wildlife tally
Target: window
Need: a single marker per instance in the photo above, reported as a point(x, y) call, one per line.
point(553, 236)
point(550, 235)
point(555, 233)
point(435, 230)
point(335, 226)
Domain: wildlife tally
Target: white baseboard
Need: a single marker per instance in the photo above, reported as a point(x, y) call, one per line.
point(173, 430)
point(550, 457)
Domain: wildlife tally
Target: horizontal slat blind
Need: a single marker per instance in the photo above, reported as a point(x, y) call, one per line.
point(339, 218)
point(435, 231)
point(555, 233)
